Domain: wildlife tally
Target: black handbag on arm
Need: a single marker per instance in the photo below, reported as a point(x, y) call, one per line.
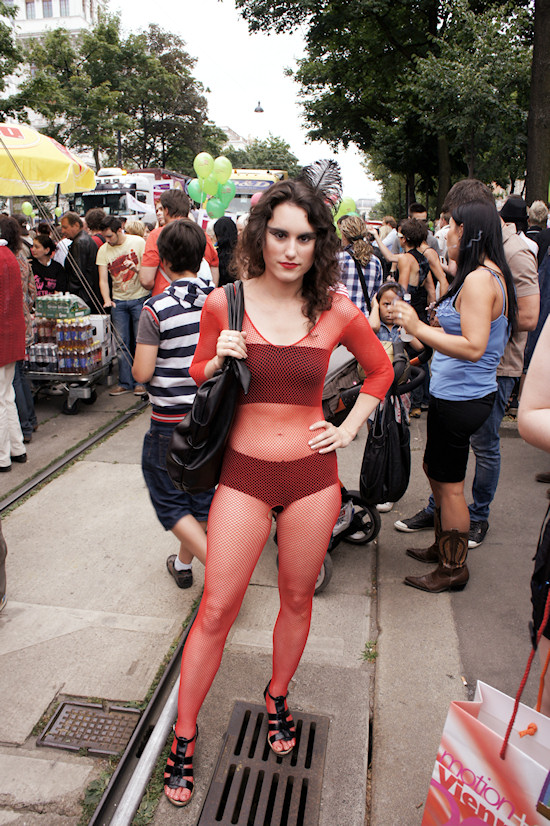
point(195, 456)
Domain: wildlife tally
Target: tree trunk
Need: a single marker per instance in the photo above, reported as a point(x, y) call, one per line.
point(410, 196)
point(538, 122)
point(96, 159)
point(444, 171)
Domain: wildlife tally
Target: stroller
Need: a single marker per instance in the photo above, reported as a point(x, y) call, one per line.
point(358, 523)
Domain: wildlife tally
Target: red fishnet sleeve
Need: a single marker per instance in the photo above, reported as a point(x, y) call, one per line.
point(360, 339)
point(213, 321)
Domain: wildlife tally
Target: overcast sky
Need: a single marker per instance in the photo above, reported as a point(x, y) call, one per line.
point(241, 69)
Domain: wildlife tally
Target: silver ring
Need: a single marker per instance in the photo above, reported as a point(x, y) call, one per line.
point(230, 338)
point(399, 315)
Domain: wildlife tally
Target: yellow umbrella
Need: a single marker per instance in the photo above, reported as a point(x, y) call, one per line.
point(30, 159)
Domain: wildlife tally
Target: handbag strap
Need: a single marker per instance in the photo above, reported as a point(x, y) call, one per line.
point(359, 269)
point(545, 621)
point(235, 304)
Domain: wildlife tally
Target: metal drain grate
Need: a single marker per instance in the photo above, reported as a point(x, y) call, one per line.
point(253, 787)
point(90, 726)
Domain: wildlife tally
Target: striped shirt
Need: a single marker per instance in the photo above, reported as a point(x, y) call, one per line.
point(171, 320)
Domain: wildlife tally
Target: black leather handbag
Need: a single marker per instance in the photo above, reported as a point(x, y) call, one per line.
point(195, 455)
point(386, 466)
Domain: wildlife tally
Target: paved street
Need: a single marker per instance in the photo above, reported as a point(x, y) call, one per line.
point(91, 612)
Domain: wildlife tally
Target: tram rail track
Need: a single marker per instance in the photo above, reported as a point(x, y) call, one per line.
point(109, 808)
point(45, 474)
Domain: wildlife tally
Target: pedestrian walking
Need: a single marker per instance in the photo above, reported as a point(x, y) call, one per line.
point(167, 336)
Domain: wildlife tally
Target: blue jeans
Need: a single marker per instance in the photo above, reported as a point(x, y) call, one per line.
point(24, 400)
point(125, 317)
point(485, 443)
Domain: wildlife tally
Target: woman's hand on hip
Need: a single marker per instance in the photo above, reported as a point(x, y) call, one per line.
point(329, 437)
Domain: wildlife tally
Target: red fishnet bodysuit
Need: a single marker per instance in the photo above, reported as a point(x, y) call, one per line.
point(270, 464)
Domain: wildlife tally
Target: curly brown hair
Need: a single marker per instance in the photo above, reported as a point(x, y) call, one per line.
point(324, 274)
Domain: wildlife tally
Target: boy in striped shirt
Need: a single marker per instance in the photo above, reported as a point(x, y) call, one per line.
point(167, 336)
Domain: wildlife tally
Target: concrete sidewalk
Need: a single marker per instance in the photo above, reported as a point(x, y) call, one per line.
point(92, 611)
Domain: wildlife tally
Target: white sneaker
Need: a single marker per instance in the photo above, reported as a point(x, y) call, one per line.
point(344, 519)
point(384, 507)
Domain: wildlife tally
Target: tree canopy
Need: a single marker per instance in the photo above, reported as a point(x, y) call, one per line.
point(103, 85)
point(272, 153)
point(10, 54)
point(407, 81)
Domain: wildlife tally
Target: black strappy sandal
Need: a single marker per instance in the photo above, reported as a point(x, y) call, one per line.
point(176, 775)
point(280, 724)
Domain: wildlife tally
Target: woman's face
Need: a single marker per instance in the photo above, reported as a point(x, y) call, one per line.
point(289, 243)
point(39, 252)
point(453, 239)
point(160, 214)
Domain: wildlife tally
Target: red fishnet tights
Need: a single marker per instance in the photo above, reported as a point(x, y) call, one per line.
point(238, 528)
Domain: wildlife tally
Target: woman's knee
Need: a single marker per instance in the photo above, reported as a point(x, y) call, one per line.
point(216, 618)
point(297, 602)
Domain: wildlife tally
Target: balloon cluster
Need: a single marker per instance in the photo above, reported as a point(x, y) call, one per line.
point(212, 180)
point(346, 207)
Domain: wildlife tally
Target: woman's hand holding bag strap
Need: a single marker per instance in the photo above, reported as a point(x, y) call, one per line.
point(196, 451)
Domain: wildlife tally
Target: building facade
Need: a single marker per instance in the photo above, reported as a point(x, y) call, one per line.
point(35, 17)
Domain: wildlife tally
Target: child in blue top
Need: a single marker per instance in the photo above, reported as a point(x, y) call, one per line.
point(167, 337)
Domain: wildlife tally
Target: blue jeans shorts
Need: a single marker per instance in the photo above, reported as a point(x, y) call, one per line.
point(170, 504)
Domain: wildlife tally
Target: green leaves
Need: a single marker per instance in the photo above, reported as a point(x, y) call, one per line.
point(421, 86)
point(272, 153)
point(141, 85)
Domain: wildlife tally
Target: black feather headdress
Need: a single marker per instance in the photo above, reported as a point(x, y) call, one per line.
point(324, 176)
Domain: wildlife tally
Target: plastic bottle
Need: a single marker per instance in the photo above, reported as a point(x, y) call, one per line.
point(404, 335)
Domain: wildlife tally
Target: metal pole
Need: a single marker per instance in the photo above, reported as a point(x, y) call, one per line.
point(135, 789)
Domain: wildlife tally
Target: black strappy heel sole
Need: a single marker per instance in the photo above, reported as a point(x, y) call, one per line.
point(176, 775)
point(280, 724)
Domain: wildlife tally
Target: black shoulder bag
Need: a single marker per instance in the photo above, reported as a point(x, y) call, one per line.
point(386, 466)
point(195, 456)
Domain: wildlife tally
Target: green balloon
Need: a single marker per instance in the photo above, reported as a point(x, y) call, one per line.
point(347, 205)
point(215, 208)
point(195, 191)
point(58, 211)
point(203, 164)
point(222, 169)
point(210, 185)
point(226, 193)
point(26, 208)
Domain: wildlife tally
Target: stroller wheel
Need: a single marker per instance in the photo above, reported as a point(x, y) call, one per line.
point(325, 574)
point(366, 522)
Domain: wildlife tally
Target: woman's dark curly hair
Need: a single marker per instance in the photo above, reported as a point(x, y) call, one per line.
point(324, 274)
point(10, 231)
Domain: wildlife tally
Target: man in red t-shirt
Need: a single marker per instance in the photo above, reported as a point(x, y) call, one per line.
point(175, 205)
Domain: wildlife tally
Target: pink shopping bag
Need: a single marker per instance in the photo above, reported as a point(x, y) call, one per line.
point(471, 785)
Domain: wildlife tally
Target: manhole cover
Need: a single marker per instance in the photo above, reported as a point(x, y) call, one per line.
point(90, 726)
point(253, 787)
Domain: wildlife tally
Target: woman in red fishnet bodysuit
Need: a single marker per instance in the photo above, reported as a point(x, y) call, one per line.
point(281, 453)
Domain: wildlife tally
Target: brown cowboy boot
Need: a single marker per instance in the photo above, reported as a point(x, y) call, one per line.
point(430, 554)
point(452, 572)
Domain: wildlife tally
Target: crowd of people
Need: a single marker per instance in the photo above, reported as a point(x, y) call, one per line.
point(468, 292)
